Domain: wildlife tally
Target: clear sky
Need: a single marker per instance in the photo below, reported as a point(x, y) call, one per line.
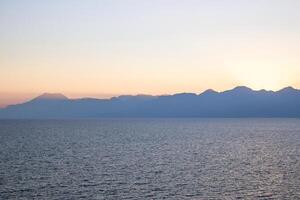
point(103, 48)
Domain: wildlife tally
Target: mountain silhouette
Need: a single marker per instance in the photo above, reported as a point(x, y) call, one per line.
point(238, 102)
point(51, 96)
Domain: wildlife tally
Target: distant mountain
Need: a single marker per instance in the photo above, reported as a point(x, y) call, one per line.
point(238, 102)
point(51, 96)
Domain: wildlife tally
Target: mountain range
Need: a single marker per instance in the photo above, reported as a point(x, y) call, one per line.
point(238, 102)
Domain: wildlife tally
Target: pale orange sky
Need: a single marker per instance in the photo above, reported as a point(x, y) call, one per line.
point(109, 48)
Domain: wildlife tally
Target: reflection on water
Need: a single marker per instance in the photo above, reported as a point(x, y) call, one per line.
point(150, 159)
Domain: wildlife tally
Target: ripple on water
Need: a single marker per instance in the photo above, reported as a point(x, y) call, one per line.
point(150, 159)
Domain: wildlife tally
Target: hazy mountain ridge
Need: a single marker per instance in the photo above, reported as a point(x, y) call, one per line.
point(51, 96)
point(238, 102)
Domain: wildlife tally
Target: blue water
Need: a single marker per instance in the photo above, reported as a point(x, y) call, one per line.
point(150, 159)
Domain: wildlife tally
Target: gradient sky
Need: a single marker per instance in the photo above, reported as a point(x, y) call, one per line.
point(112, 47)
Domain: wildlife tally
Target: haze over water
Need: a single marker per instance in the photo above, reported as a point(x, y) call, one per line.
point(150, 159)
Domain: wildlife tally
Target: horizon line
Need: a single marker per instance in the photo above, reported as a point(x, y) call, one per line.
point(160, 95)
point(170, 94)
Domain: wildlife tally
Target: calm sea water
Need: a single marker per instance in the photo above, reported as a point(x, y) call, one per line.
point(150, 159)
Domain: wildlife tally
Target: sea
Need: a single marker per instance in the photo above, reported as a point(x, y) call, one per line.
point(150, 159)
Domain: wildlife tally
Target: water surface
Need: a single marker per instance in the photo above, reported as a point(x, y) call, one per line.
point(150, 159)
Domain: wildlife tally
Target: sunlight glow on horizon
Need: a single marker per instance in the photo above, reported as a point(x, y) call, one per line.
point(110, 48)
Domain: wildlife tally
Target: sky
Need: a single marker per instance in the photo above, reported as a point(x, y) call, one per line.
point(104, 48)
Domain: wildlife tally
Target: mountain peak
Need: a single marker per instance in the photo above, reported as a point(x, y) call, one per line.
point(239, 90)
point(51, 96)
point(242, 88)
point(209, 91)
point(288, 90)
